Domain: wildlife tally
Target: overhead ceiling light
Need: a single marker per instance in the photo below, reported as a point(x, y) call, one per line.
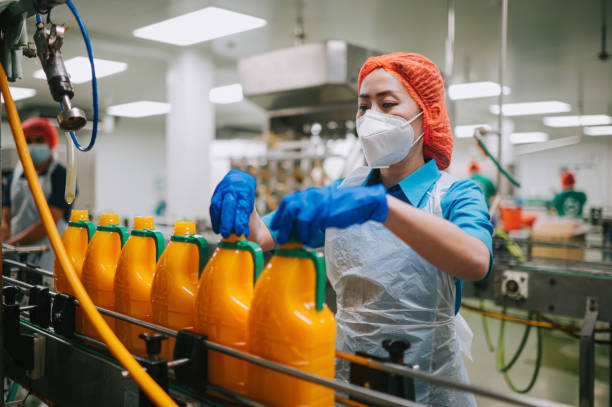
point(598, 131)
point(20, 93)
point(226, 94)
point(141, 108)
point(467, 130)
point(80, 69)
point(528, 137)
point(198, 26)
point(475, 90)
point(577, 121)
point(530, 108)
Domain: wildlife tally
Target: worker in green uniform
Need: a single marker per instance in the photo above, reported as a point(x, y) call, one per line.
point(485, 184)
point(569, 202)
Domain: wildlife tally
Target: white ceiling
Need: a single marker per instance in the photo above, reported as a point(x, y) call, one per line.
point(551, 44)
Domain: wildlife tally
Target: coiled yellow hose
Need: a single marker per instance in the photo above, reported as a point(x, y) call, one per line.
point(148, 385)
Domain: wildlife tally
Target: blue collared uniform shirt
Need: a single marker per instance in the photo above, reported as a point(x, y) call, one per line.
point(463, 205)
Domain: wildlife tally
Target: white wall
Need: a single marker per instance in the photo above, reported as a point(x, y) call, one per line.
point(590, 160)
point(539, 173)
point(130, 165)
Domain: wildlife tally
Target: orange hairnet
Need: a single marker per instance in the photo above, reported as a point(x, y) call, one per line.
point(474, 167)
point(567, 179)
point(424, 82)
point(39, 126)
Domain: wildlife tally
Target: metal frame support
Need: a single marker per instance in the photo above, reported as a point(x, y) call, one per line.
point(503, 41)
point(1, 313)
point(194, 373)
point(587, 353)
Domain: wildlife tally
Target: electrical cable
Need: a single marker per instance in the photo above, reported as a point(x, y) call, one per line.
point(148, 385)
point(13, 392)
point(504, 368)
point(501, 366)
point(485, 327)
point(94, 82)
point(518, 320)
point(573, 335)
point(549, 324)
point(70, 25)
point(497, 164)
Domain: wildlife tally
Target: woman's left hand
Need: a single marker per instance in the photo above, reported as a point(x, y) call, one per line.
point(316, 209)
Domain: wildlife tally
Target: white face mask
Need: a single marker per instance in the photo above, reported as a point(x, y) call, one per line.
point(386, 139)
point(39, 152)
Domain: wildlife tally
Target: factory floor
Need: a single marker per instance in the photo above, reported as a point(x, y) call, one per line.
point(558, 377)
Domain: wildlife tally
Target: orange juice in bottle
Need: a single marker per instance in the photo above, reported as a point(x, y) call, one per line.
point(100, 266)
point(290, 323)
point(76, 238)
point(222, 307)
point(176, 281)
point(133, 280)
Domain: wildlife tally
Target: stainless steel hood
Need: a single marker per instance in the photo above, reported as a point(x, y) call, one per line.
point(320, 76)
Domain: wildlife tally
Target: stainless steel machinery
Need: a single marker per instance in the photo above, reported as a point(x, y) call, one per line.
point(577, 289)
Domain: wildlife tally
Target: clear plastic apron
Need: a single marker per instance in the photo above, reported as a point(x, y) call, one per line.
point(24, 212)
point(385, 290)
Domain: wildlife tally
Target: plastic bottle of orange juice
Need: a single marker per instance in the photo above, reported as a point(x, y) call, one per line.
point(176, 281)
point(76, 238)
point(133, 280)
point(290, 323)
point(222, 307)
point(100, 266)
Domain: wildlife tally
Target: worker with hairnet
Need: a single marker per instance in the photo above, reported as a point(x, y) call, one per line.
point(569, 202)
point(486, 185)
point(21, 223)
point(400, 235)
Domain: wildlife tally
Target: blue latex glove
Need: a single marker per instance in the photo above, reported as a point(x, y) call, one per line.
point(316, 209)
point(232, 204)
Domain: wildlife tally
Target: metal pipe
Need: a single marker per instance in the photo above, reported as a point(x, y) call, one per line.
point(177, 362)
point(360, 392)
point(415, 374)
point(502, 63)
point(7, 248)
point(28, 267)
point(17, 283)
point(137, 321)
point(449, 60)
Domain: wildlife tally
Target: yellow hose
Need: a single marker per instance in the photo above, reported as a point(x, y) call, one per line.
point(148, 385)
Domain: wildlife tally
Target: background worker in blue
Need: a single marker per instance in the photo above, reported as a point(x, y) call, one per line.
point(21, 223)
point(399, 235)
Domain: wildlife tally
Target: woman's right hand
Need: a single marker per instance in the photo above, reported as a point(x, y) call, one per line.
point(232, 204)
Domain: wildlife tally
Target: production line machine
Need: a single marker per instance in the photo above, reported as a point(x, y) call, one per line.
point(45, 354)
point(569, 288)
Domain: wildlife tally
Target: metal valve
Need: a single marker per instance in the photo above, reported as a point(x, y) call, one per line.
point(48, 48)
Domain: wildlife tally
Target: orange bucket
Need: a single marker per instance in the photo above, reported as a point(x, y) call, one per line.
point(511, 218)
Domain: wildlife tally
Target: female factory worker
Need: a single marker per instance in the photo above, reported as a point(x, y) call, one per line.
point(399, 235)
